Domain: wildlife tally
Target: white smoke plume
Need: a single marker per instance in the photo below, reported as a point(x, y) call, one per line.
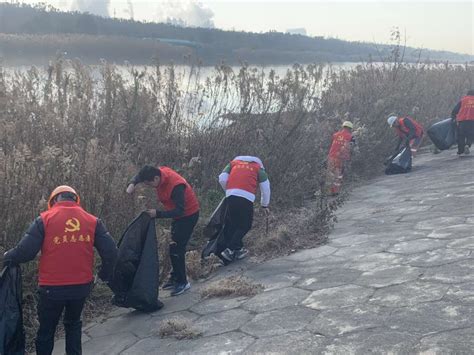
point(185, 13)
point(129, 10)
point(96, 7)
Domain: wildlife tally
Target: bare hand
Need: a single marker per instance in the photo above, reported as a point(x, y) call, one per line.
point(130, 189)
point(151, 213)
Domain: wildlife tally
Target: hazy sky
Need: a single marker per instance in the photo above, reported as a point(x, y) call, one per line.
point(443, 25)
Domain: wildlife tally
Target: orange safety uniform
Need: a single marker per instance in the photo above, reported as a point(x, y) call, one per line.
point(67, 253)
point(466, 112)
point(168, 181)
point(339, 153)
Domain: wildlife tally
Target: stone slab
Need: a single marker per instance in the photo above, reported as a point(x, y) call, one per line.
point(301, 342)
point(409, 294)
point(279, 322)
point(338, 297)
point(281, 298)
point(109, 344)
point(336, 322)
point(389, 276)
point(222, 322)
point(329, 278)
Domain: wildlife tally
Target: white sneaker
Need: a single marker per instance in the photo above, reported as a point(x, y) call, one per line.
point(466, 150)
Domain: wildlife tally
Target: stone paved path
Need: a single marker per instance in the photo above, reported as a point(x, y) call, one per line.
point(397, 276)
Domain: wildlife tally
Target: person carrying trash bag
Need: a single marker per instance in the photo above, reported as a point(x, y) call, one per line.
point(66, 235)
point(339, 155)
point(410, 132)
point(181, 204)
point(240, 179)
point(12, 334)
point(443, 134)
point(463, 114)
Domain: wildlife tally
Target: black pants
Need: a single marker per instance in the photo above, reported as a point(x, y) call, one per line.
point(465, 135)
point(181, 231)
point(239, 220)
point(49, 312)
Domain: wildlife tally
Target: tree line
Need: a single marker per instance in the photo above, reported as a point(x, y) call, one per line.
point(210, 45)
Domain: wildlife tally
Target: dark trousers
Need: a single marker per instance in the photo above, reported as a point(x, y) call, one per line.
point(181, 231)
point(465, 135)
point(239, 220)
point(49, 312)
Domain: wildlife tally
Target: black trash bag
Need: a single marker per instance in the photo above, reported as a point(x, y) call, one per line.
point(443, 134)
point(136, 274)
point(214, 231)
point(400, 163)
point(12, 334)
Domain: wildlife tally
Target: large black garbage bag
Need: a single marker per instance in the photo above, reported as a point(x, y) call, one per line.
point(136, 274)
point(443, 134)
point(12, 335)
point(214, 231)
point(400, 163)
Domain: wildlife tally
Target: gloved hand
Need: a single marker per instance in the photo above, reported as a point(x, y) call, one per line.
point(266, 210)
point(130, 188)
point(153, 213)
point(6, 260)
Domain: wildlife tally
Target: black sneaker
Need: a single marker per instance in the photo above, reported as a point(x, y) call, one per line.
point(228, 254)
point(240, 254)
point(180, 288)
point(170, 284)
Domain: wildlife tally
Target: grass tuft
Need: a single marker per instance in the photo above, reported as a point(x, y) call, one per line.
point(234, 286)
point(178, 328)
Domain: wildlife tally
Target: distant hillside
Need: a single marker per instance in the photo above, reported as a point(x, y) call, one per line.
point(35, 32)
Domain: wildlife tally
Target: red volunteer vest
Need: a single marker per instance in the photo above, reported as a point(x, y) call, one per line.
point(466, 112)
point(403, 130)
point(243, 175)
point(169, 180)
point(67, 253)
point(340, 147)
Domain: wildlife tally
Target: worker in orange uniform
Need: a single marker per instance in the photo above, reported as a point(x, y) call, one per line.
point(240, 180)
point(410, 132)
point(66, 235)
point(339, 155)
point(182, 206)
point(463, 113)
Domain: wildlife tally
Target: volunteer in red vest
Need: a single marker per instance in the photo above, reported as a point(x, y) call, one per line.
point(66, 235)
point(410, 132)
point(463, 113)
point(339, 155)
point(180, 204)
point(240, 179)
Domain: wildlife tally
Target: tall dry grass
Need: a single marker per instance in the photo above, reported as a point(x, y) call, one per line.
point(93, 128)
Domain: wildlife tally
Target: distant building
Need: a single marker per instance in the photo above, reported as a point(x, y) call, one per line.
point(297, 31)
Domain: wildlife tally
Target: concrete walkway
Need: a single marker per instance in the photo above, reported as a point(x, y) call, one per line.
point(397, 276)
